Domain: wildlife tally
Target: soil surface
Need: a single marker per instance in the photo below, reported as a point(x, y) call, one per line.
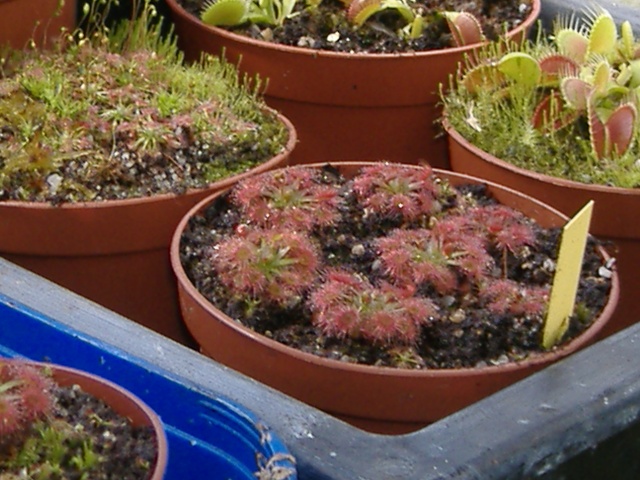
point(466, 333)
point(327, 28)
point(128, 453)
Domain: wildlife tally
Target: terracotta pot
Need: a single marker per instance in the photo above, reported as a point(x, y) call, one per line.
point(614, 214)
point(344, 106)
point(379, 399)
point(122, 402)
point(23, 20)
point(116, 252)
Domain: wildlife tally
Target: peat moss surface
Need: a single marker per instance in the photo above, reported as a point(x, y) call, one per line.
point(325, 26)
point(393, 267)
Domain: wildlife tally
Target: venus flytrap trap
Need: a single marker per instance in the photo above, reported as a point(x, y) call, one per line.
point(236, 12)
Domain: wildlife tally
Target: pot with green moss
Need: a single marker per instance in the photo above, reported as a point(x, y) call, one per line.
point(105, 142)
point(60, 422)
point(357, 81)
point(388, 295)
point(558, 119)
point(39, 21)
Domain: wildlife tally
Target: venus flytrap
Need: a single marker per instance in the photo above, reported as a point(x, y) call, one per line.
point(236, 12)
point(574, 95)
point(464, 27)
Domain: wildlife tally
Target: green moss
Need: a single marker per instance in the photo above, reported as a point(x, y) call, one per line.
point(109, 112)
point(51, 450)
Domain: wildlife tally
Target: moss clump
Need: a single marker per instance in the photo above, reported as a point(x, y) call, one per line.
point(115, 113)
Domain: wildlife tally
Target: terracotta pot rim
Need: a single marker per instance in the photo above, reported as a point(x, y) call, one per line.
point(153, 418)
point(219, 184)
point(533, 360)
point(490, 158)
point(177, 8)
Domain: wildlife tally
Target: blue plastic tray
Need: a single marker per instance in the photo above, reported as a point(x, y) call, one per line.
point(208, 436)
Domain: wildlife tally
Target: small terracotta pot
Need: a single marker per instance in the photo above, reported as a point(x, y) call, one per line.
point(614, 215)
point(24, 20)
point(116, 252)
point(122, 401)
point(379, 399)
point(344, 106)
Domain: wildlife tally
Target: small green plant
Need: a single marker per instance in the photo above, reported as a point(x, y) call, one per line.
point(570, 101)
point(464, 27)
point(31, 440)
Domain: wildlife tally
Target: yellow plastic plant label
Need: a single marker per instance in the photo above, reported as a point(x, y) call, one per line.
point(567, 276)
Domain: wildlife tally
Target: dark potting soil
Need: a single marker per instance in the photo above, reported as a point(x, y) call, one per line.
point(327, 28)
point(128, 453)
point(466, 335)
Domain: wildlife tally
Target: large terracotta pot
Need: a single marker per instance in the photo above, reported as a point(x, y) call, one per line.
point(614, 215)
point(344, 106)
point(379, 399)
point(122, 401)
point(24, 20)
point(116, 252)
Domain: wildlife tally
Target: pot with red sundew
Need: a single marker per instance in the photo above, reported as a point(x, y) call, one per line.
point(405, 304)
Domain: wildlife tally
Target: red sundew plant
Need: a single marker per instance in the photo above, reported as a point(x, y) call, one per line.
point(266, 265)
point(348, 305)
point(436, 256)
point(291, 198)
point(25, 396)
point(508, 297)
point(435, 265)
point(397, 190)
point(505, 227)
